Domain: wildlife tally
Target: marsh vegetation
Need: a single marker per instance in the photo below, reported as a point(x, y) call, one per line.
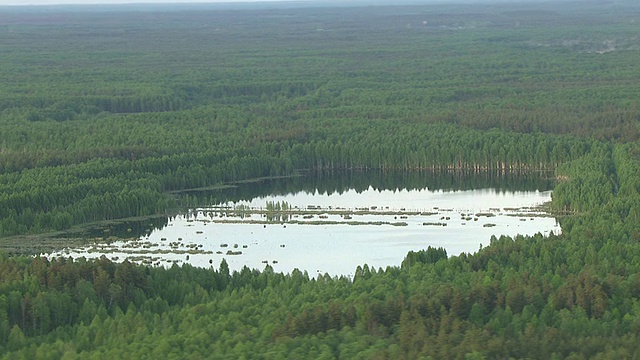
point(330, 232)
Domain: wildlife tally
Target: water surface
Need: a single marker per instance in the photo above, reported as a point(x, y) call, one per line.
point(329, 230)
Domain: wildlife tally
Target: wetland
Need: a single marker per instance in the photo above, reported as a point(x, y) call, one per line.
point(330, 223)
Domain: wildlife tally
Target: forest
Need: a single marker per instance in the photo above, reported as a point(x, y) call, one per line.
point(118, 112)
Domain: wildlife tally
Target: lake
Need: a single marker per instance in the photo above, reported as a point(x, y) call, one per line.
point(331, 228)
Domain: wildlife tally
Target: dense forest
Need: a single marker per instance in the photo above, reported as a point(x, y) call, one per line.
point(113, 112)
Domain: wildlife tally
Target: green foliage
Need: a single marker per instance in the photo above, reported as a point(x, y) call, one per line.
point(118, 110)
point(105, 125)
point(429, 256)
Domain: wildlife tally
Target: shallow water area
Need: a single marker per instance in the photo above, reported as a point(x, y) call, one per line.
point(333, 232)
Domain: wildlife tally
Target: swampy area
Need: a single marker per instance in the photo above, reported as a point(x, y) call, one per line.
point(289, 224)
point(476, 191)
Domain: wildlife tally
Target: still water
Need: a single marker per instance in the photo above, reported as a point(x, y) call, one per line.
point(332, 229)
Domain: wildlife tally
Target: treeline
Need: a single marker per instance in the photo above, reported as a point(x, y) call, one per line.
point(438, 148)
point(42, 198)
point(569, 73)
point(339, 181)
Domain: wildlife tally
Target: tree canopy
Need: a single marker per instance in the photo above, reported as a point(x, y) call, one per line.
point(108, 113)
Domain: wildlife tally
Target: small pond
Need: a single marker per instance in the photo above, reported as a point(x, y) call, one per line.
point(330, 229)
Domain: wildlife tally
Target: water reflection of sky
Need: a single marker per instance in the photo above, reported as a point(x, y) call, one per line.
point(412, 199)
point(338, 249)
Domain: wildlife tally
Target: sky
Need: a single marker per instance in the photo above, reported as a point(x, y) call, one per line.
point(86, 2)
point(57, 2)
